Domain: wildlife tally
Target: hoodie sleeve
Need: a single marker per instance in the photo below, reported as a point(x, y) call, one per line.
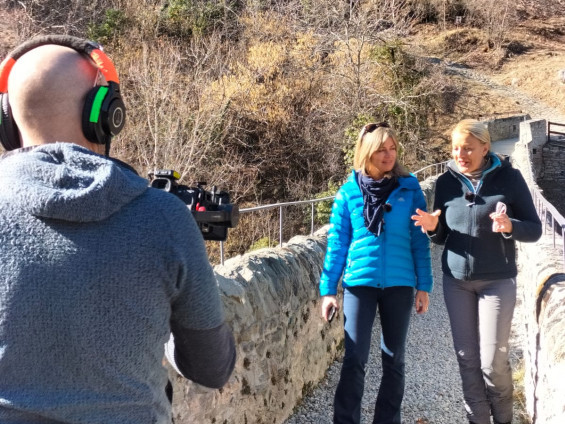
point(206, 357)
point(202, 346)
point(339, 238)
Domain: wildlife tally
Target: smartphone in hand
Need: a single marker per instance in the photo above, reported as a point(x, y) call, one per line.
point(331, 314)
point(500, 208)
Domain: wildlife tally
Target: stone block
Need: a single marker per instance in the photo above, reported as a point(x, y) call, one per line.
point(533, 133)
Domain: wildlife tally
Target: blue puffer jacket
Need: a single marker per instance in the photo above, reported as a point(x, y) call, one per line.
point(400, 256)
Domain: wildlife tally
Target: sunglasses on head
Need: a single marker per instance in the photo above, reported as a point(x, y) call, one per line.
point(369, 128)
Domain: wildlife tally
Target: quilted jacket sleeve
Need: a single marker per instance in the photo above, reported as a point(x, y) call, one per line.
point(339, 238)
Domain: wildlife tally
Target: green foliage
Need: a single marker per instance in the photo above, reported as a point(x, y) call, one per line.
point(401, 70)
point(261, 243)
point(191, 18)
point(111, 27)
point(324, 208)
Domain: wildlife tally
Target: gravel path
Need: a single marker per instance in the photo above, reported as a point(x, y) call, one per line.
point(433, 389)
point(535, 108)
point(433, 386)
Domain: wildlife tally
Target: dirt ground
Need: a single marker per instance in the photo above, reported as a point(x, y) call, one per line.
point(536, 71)
point(529, 61)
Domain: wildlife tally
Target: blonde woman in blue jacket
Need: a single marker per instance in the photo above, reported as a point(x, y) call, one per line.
point(383, 258)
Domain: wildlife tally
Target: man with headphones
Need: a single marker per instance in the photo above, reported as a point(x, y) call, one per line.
point(99, 273)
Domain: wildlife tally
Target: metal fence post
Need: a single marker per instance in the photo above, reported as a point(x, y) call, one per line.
point(312, 218)
point(280, 225)
point(563, 245)
point(544, 215)
point(553, 229)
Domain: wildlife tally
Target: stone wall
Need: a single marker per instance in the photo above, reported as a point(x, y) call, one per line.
point(543, 300)
point(505, 128)
point(554, 159)
point(543, 297)
point(283, 346)
point(530, 147)
point(553, 174)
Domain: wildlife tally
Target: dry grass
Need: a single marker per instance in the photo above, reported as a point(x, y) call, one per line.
point(528, 60)
point(520, 414)
point(535, 72)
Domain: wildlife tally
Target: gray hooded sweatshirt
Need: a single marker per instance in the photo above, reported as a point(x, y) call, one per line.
point(96, 270)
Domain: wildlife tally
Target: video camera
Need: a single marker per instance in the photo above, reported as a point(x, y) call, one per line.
point(212, 210)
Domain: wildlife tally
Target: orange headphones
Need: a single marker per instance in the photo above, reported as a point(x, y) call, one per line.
point(104, 112)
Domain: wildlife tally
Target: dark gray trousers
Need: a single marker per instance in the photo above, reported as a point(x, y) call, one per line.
point(480, 313)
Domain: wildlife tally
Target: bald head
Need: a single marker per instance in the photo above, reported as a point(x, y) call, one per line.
point(47, 88)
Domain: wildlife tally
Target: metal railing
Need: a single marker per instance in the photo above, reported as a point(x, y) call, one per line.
point(550, 131)
point(421, 174)
point(431, 170)
point(280, 207)
point(551, 220)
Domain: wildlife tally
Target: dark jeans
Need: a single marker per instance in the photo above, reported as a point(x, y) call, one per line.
point(360, 305)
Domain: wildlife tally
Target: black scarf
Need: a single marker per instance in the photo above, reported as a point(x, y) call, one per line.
point(375, 193)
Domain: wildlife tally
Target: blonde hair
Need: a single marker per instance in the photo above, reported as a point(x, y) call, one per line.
point(476, 128)
point(370, 142)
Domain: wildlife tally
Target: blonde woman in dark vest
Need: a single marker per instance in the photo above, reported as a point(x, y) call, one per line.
point(482, 207)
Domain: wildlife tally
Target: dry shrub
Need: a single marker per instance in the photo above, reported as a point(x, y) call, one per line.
point(170, 129)
point(257, 100)
point(548, 31)
point(272, 94)
point(495, 17)
point(460, 40)
point(57, 16)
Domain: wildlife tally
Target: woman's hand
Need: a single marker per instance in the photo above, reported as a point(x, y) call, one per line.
point(327, 303)
point(500, 222)
point(422, 302)
point(427, 221)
